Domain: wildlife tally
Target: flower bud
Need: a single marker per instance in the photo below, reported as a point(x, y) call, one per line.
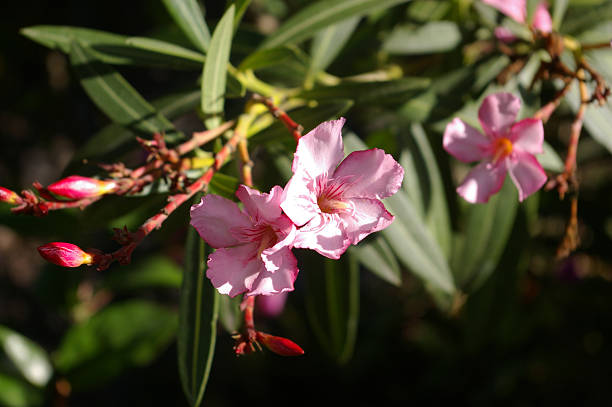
point(279, 345)
point(77, 187)
point(271, 306)
point(65, 254)
point(8, 196)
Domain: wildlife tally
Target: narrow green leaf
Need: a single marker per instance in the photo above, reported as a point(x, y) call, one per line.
point(224, 185)
point(550, 160)
point(28, 357)
point(307, 22)
point(188, 15)
point(241, 8)
point(215, 70)
point(114, 95)
point(267, 57)
point(433, 37)
point(328, 43)
point(18, 393)
point(229, 313)
point(122, 335)
point(388, 92)
point(559, 9)
point(113, 48)
point(376, 255)
point(198, 313)
point(478, 249)
point(166, 48)
point(332, 303)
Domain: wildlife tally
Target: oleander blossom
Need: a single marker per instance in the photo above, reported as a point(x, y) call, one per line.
point(337, 202)
point(506, 146)
point(517, 10)
point(253, 245)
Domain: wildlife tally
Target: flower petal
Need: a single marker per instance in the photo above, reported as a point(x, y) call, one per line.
point(528, 136)
point(321, 150)
point(504, 35)
point(323, 234)
point(213, 218)
point(526, 173)
point(370, 173)
point(483, 181)
point(541, 18)
point(368, 216)
point(233, 270)
point(259, 205)
point(464, 142)
point(300, 199)
point(279, 274)
point(515, 9)
point(497, 113)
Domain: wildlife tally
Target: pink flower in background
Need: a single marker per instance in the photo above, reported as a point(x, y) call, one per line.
point(517, 10)
point(253, 245)
point(336, 202)
point(506, 146)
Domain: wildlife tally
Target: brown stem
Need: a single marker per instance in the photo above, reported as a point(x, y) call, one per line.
point(571, 239)
point(295, 128)
point(548, 109)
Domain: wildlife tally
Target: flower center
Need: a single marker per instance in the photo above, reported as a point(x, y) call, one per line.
point(267, 238)
point(502, 148)
point(330, 205)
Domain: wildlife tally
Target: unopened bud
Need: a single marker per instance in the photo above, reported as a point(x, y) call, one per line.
point(279, 345)
point(8, 196)
point(77, 187)
point(271, 306)
point(65, 254)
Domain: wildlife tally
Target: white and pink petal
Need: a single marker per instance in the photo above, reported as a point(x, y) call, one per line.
point(464, 142)
point(368, 216)
point(497, 113)
point(300, 199)
point(233, 270)
point(214, 217)
point(324, 234)
point(320, 151)
point(528, 136)
point(483, 181)
point(526, 173)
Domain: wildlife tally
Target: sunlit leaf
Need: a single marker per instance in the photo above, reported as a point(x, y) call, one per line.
point(18, 393)
point(28, 357)
point(436, 36)
point(328, 43)
point(376, 255)
point(215, 70)
point(188, 15)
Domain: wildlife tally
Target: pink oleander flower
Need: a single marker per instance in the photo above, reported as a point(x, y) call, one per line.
point(336, 203)
point(76, 187)
point(517, 10)
point(506, 146)
point(253, 245)
point(65, 254)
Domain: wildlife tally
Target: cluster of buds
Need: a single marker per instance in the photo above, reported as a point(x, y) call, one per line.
point(277, 344)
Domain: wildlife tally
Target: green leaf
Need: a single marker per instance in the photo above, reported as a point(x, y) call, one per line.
point(332, 303)
point(229, 313)
point(241, 8)
point(29, 358)
point(376, 255)
point(155, 271)
point(215, 70)
point(478, 249)
point(550, 160)
point(306, 116)
point(17, 393)
point(122, 335)
point(559, 9)
point(198, 313)
point(328, 43)
point(433, 37)
point(388, 92)
point(267, 57)
point(224, 185)
point(114, 95)
point(113, 48)
point(312, 18)
point(188, 15)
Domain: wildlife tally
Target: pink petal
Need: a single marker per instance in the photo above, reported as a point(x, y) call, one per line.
point(279, 274)
point(498, 112)
point(300, 200)
point(504, 35)
point(541, 18)
point(526, 173)
point(482, 182)
point(515, 9)
point(323, 234)
point(465, 142)
point(368, 216)
point(371, 174)
point(321, 150)
point(271, 306)
point(528, 136)
point(233, 270)
point(259, 205)
point(213, 218)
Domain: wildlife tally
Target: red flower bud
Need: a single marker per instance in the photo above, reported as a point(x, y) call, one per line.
point(65, 254)
point(279, 345)
point(77, 187)
point(6, 195)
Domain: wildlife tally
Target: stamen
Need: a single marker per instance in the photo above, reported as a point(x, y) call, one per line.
point(502, 149)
